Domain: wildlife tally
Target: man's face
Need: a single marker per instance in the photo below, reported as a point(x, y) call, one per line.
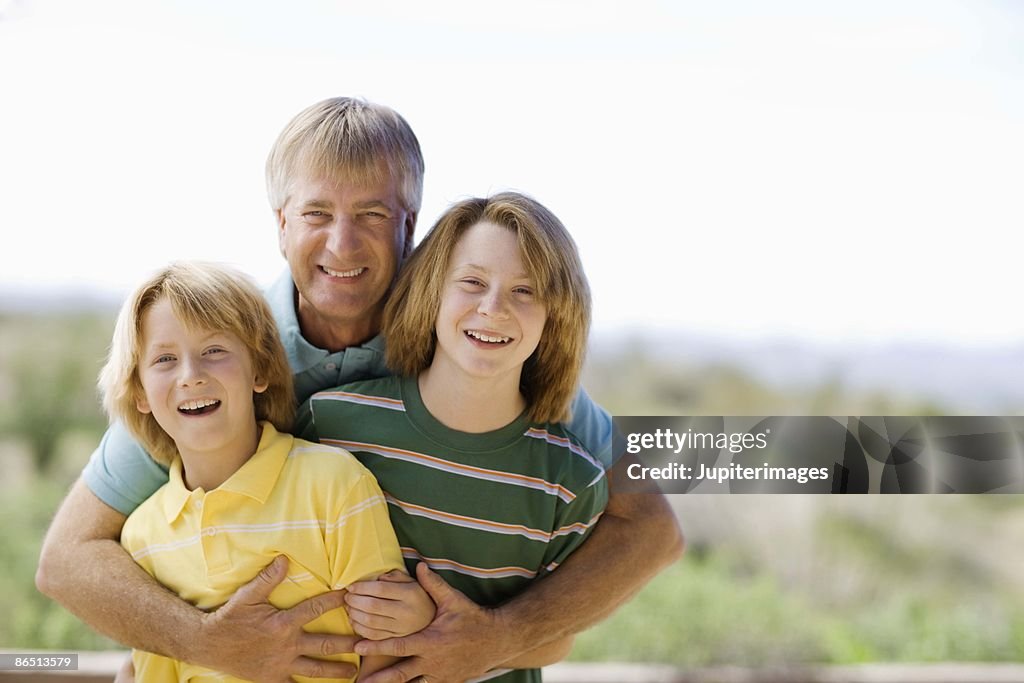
point(344, 244)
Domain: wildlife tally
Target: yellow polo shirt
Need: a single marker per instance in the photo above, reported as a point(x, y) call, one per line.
point(315, 504)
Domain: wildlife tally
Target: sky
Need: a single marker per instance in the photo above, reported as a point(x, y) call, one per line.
point(822, 171)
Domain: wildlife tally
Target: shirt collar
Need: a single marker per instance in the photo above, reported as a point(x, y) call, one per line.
point(177, 495)
point(282, 299)
point(302, 355)
point(255, 479)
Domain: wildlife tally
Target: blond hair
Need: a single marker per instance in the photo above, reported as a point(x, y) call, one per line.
point(550, 375)
point(203, 296)
point(351, 139)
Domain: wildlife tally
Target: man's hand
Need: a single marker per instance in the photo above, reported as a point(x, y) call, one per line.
point(84, 568)
point(251, 639)
point(392, 606)
point(459, 644)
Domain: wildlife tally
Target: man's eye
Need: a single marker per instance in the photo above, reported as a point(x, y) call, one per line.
point(314, 214)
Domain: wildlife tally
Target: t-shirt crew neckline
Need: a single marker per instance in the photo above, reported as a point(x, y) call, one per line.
point(481, 442)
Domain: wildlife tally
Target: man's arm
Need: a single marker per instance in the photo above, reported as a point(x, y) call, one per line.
point(635, 539)
point(84, 567)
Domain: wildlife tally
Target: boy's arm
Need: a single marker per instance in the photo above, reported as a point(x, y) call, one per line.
point(84, 567)
point(635, 539)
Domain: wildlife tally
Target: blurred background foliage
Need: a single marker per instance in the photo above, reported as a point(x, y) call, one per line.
point(765, 579)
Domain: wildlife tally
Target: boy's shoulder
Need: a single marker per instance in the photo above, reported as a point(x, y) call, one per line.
point(316, 461)
point(384, 392)
point(561, 445)
point(388, 387)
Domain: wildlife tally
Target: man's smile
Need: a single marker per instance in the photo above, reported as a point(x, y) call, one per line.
point(355, 272)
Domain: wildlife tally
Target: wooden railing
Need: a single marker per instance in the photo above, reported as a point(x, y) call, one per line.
point(99, 667)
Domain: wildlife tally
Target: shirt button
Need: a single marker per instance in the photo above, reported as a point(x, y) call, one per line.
point(210, 532)
point(331, 366)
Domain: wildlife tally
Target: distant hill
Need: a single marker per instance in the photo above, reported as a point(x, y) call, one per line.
point(982, 381)
point(961, 379)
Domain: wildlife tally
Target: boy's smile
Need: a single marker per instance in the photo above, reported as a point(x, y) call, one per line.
point(199, 386)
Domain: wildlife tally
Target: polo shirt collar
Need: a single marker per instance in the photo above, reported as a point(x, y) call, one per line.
point(282, 299)
point(255, 479)
point(258, 476)
point(302, 355)
point(177, 495)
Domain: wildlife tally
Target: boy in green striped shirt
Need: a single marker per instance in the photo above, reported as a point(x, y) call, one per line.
point(488, 323)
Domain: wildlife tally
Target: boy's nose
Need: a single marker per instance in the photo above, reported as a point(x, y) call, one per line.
point(494, 305)
point(192, 373)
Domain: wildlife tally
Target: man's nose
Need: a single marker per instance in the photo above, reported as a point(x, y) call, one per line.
point(343, 238)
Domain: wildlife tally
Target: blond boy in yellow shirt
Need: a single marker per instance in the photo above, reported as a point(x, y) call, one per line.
point(197, 373)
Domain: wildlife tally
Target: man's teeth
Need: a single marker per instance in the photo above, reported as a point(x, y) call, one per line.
point(197, 405)
point(488, 338)
point(343, 273)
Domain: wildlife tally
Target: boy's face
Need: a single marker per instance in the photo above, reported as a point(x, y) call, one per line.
point(490, 319)
point(344, 244)
point(198, 384)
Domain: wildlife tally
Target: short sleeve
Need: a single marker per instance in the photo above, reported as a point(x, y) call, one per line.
point(361, 542)
point(592, 425)
point(575, 521)
point(121, 473)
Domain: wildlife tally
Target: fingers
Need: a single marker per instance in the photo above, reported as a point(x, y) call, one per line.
point(319, 668)
point(396, 576)
point(436, 587)
point(402, 672)
point(391, 647)
point(311, 608)
point(371, 633)
point(372, 605)
point(390, 589)
point(373, 626)
point(324, 644)
point(260, 588)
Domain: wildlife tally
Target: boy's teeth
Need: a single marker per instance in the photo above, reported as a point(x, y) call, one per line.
point(343, 273)
point(487, 338)
point(196, 405)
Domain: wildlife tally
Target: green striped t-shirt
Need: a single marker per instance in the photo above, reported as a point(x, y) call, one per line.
point(489, 512)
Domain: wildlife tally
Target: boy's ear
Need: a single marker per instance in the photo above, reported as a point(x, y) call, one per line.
point(142, 404)
point(259, 385)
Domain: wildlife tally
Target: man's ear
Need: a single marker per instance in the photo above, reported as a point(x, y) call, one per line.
point(281, 226)
point(410, 229)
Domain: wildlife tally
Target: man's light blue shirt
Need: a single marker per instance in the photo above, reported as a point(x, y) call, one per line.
point(122, 474)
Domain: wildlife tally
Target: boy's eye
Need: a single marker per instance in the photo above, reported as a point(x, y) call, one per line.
point(523, 290)
point(165, 358)
point(214, 350)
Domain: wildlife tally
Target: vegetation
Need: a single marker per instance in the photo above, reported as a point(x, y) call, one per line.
point(765, 580)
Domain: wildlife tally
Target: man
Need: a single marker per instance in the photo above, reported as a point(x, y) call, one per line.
point(345, 180)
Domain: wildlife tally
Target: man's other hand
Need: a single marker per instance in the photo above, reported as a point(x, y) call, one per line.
point(251, 639)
